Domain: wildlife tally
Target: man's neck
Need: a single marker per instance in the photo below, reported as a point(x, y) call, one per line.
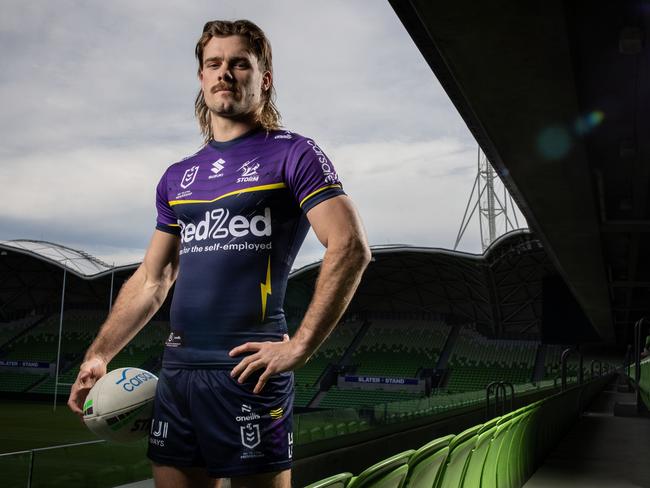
point(224, 130)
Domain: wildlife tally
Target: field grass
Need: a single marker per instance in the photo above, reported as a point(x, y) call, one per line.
point(26, 426)
point(31, 425)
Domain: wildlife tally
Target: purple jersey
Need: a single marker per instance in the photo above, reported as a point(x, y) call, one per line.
point(239, 209)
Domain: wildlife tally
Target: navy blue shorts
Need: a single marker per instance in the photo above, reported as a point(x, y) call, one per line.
point(204, 418)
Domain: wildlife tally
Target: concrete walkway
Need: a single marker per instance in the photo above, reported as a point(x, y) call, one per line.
point(601, 450)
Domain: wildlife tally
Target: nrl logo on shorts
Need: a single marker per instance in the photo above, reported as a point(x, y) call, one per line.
point(189, 176)
point(250, 435)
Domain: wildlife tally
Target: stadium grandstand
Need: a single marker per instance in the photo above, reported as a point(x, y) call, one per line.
point(521, 366)
point(421, 340)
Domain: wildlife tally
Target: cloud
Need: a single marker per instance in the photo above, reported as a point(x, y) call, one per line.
point(85, 195)
point(98, 97)
point(402, 191)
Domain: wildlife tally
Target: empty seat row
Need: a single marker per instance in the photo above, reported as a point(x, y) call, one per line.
point(501, 453)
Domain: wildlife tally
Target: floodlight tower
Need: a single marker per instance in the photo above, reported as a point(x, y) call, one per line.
point(491, 208)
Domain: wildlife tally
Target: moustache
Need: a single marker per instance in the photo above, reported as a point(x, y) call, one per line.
point(221, 86)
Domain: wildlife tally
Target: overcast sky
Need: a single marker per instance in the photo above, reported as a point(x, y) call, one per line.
point(97, 101)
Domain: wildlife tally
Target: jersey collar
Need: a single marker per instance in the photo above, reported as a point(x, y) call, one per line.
point(221, 146)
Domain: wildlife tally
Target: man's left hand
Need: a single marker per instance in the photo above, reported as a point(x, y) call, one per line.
point(273, 357)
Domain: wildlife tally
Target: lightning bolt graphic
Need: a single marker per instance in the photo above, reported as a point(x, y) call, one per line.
point(265, 288)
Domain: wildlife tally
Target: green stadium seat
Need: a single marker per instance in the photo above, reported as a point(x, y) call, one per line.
point(460, 449)
point(515, 455)
point(353, 426)
point(489, 424)
point(489, 473)
point(506, 460)
point(476, 461)
point(337, 481)
point(329, 431)
point(530, 440)
point(426, 463)
point(316, 434)
point(388, 473)
point(303, 436)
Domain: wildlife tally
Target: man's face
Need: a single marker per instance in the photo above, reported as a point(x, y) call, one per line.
point(231, 79)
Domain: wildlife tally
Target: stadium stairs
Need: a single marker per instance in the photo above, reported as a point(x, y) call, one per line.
point(476, 361)
point(329, 374)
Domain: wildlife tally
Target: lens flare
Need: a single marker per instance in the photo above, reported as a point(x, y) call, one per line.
point(554, 142)
point(587, 123)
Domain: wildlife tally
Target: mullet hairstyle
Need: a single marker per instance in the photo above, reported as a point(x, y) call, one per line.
point(268, 115)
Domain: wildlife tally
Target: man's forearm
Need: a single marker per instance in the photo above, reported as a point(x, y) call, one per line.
point(137, 302)
point(339, 277)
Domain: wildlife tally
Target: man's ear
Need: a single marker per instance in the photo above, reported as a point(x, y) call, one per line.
point(267, 81)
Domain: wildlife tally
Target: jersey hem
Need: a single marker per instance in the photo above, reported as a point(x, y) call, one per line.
point(321, 197)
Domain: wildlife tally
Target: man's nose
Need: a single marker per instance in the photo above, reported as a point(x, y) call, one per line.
point(225, 73)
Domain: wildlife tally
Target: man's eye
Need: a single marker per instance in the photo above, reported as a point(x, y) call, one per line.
point(241, 64)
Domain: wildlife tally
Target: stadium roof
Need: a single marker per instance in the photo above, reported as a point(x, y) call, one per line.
point(556, 94)
point(500, 291)
point(75, 261)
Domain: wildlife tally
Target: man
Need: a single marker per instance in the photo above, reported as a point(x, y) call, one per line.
point(231, 219)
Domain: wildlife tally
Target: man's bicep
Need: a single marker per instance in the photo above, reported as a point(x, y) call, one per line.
point(336, 220)
point(161, 257)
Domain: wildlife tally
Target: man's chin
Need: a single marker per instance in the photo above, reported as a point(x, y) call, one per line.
point(223, 109)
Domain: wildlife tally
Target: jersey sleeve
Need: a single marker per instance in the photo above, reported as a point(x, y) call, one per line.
point(311, 176)
point(166, 220)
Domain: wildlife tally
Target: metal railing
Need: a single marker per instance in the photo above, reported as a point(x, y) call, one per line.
point(600, 367)
point(563, 360)
point(31, 452)
point(499, 388)
point(637, 362)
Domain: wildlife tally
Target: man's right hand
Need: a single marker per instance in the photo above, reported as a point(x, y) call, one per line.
point(89, 372)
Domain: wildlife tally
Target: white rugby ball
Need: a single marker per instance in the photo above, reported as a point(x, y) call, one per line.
point(118, 407)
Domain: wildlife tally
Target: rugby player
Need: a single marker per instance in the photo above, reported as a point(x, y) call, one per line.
point(231, 219)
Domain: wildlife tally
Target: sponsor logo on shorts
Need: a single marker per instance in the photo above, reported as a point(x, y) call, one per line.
point(130, 384)
point(249, 171)
point(277, 413)
point(248, 414)
point(158, 433)
point(175, 339)
point(189, 176)
point(250, 435)
point(290, 444)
